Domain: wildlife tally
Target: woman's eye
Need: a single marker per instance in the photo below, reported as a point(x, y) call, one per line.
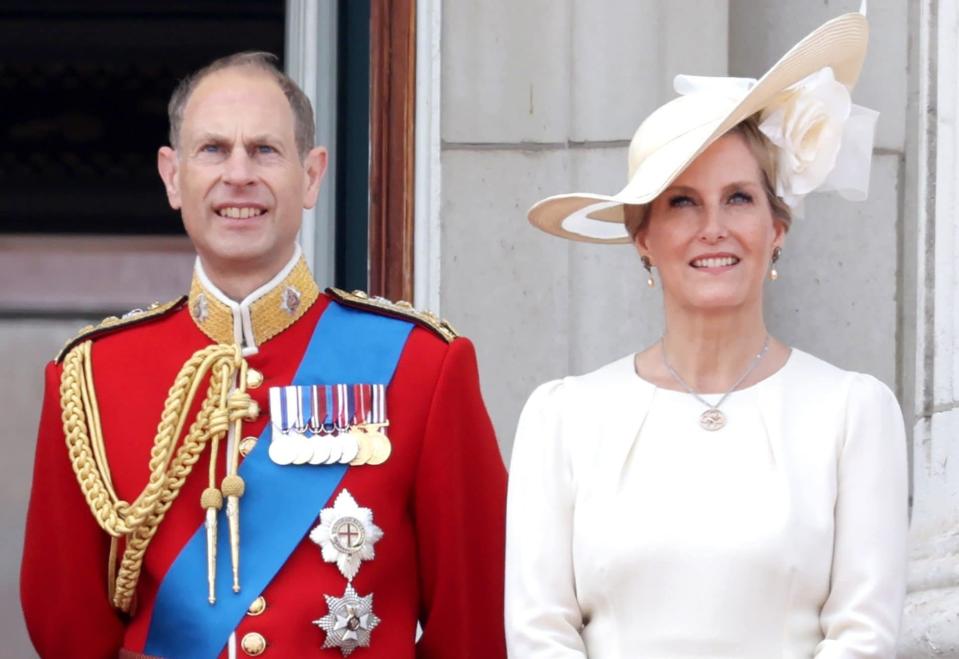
point(680, 200)
point(740, 198)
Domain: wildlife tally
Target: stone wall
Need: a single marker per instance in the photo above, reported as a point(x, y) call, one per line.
point(538, 98)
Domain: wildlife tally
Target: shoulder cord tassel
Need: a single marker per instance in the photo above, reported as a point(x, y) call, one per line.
point(235, 406)
point(233, 485)
point(169, 464)
point(211, 500)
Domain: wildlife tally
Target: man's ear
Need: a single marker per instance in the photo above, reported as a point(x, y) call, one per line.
point(168, 166)
point(314, 167)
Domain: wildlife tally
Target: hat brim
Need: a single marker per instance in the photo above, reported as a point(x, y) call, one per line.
point(839, 44)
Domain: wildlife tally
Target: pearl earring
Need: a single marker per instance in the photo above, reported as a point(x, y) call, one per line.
point(773, 274)
point(649, 269)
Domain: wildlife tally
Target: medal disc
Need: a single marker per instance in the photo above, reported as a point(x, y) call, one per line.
point(321, 449)
point(336, 449)
point(282, 450)
point(712, 419)
point(304, 450)
point(364, 450)
point(380, 447)
point(350, 448)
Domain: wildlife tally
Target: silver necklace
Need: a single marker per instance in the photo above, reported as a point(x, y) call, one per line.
point(713, 418)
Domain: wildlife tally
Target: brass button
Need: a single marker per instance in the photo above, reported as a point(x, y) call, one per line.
point(253, 644)
point(253, 379)
point(258, 606)
point(246, 445)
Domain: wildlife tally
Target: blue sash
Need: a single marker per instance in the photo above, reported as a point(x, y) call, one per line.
point(280, 504)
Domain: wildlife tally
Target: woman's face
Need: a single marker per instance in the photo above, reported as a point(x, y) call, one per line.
point(711, 234)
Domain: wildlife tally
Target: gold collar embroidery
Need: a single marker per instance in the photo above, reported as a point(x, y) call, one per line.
point(260, 316)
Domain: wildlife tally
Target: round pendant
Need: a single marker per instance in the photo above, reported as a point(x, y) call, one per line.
point(712, 419)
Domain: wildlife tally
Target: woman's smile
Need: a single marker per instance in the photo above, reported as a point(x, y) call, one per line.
point(715, 263)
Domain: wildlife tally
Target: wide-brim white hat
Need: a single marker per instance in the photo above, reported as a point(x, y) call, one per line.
point(679, 131)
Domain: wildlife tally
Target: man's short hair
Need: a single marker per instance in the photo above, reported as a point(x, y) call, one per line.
point(303, 125)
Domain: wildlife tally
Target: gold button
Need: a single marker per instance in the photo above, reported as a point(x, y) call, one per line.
point(258, 606)
point(253, 379)
point(253, 644)
point(246, 445)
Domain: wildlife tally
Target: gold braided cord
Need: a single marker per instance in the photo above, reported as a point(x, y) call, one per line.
point(169, 465)
point(92, 411)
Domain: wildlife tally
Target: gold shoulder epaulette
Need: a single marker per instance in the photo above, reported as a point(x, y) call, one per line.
point(402, 309)
point(112, 323)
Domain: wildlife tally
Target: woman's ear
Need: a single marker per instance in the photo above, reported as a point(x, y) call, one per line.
point(637, 217)
point(780, 228)
point(640, 242)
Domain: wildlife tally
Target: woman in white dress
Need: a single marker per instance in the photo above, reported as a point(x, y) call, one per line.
point(718, 494)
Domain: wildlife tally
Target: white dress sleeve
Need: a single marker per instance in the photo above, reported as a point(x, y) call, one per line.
point(860, 618)
point(543, 618)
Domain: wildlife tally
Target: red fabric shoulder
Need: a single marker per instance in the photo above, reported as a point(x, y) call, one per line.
point(130, 319)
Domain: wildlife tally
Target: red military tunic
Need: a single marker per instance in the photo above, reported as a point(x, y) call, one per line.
point(439, 498)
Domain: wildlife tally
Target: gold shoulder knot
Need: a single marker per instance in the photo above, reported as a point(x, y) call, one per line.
point(402, 309)
point(111, 323)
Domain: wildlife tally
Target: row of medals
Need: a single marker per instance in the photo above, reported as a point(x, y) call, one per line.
point(362, 444)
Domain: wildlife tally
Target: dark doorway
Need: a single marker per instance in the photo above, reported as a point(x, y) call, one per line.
point(85, 87)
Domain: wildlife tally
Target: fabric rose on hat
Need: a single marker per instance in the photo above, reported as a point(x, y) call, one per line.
point(823, 140)
point(806, 124)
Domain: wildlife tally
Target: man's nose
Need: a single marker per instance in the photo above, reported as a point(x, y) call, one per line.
point(239, 168)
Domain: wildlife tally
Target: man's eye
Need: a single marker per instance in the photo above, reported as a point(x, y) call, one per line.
point(740, 197)
point(210, 148)
point(265, 148)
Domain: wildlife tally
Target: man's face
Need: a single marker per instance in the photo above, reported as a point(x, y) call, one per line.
point(236, 175)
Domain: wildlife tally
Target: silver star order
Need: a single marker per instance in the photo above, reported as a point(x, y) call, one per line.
point(346, 534)
point(349, 622)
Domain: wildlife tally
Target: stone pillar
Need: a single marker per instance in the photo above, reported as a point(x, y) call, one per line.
point(931, 616)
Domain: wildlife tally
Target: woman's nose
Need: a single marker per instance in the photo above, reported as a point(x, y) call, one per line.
point(713, 227)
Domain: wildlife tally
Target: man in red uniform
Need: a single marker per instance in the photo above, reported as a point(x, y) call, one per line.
point(262, 468)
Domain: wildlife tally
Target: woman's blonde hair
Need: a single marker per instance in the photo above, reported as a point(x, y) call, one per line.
point(762, 149)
